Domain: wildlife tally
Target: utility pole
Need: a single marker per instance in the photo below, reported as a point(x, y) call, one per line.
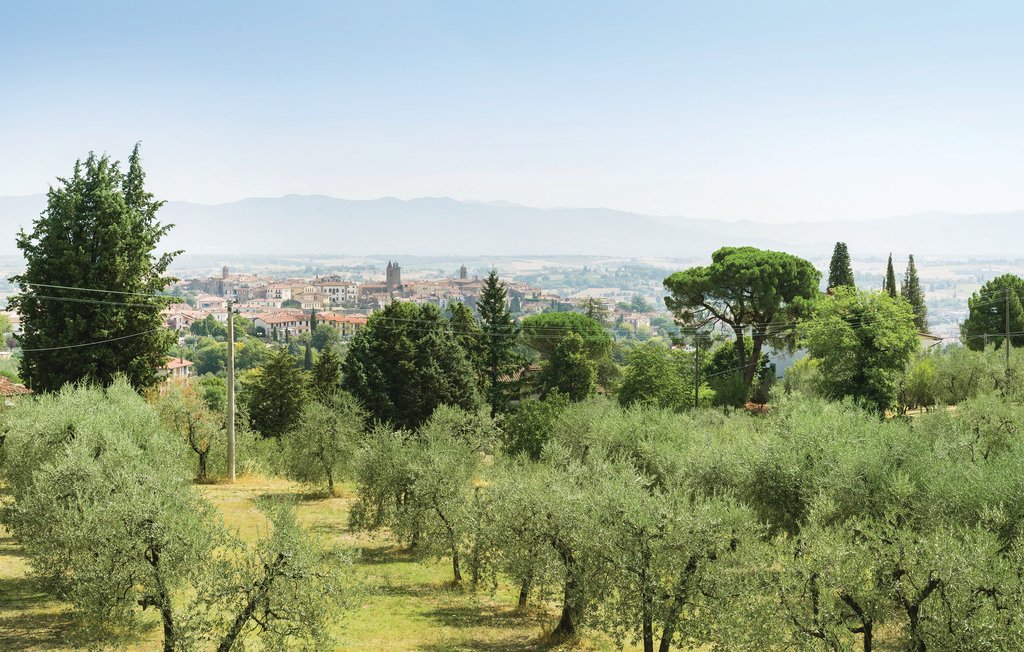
point(1006, 342)
point(696, 370)
point(696, 361)
point(231, 394)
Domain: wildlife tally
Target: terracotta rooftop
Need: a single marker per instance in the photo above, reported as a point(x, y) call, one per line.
point(10, 388)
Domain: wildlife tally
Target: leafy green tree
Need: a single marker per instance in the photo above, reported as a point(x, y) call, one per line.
point(663, 554)
point(99, 231)
point(214, 391)
point(499, 340)
point(324, 441)
point(529, 426)
point(745, 288)
point(986, 322)
point(658, 376)
point(911, 291)
point(277, 395)
point(420, 489)
point(250, 352)
point(210, 356)
point(185, 413)
point(840, 269)
point(889, 284)
point(570, 371)
point(209, 326)
point(326, 379)
point(918, 386)
point(864, 340)
point(324, 336)
point(404, 363)
point(961, 374)
point(544, 332)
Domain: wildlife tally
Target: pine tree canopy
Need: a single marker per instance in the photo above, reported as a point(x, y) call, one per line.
point(99, 232)
point(986, 322)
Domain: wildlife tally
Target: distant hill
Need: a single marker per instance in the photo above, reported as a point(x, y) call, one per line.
point(315, 224)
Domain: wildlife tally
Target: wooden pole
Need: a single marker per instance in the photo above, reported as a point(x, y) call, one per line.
point(231, 394)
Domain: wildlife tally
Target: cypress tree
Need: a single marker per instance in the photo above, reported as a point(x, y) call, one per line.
point(99, 231)
point(840, 270)
point(326, 373)
point(889, 284)
point(307, 361)
point(467, 333)
point(911, 291)
point(499, 339)
point(312, 321)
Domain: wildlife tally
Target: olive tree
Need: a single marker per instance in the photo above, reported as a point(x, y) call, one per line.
point(186, 413)
point(324, 441)
point(108, 521)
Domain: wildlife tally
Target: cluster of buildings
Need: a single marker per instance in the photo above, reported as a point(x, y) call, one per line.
point(286, 305)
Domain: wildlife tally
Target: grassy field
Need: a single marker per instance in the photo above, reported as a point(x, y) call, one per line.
point(407, 604)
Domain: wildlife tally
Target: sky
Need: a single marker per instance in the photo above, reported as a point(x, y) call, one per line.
point(771, 111)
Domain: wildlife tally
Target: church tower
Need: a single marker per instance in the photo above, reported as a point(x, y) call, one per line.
point(393, 277)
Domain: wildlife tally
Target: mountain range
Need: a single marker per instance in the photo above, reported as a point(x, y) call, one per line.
point(321, 225)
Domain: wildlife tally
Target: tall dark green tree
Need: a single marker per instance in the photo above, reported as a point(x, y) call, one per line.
point(326, 378)
point(889, 285)
point(745, 288)
point(499, 340)
point(570, 371)
point(840, 270)
point(986, 322)
point(467, 332)
point(307, 358)
point(99, 231)
point(312, 321)
point(404, 363)
point(911, 291)
point(277, 395)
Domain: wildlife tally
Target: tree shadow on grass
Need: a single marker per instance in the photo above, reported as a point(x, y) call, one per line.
point(492, 616)
point(10, 548)
point(527, 623)
point(482, 615)
point(376, 555)
point(314, 496)
point(28, 619)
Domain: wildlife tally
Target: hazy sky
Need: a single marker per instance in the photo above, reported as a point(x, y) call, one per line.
point(763, 110)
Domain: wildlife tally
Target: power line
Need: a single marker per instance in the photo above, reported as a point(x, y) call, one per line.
point(81, 289)
point(75, 346)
